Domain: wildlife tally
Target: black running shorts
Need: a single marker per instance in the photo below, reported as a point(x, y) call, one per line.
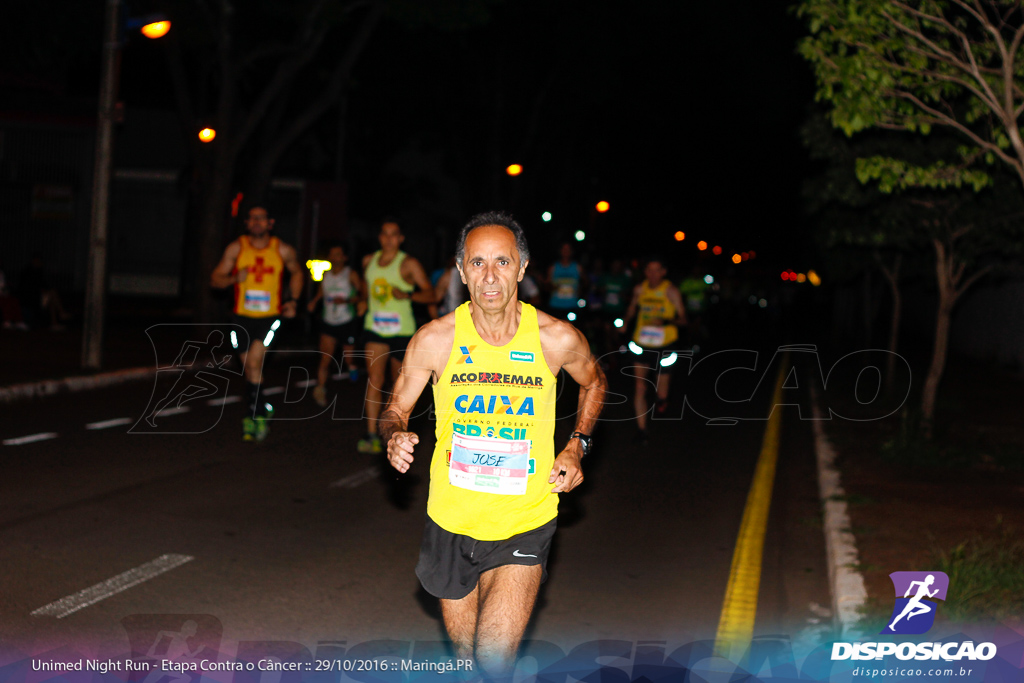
point(397, 345)
point(451, 564)
point(346, 333)
point(256, 329)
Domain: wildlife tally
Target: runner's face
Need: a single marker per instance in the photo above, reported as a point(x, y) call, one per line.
point(258, 223)
point(337, 258)
point(491, 266)
point(391, 237)
point(655, 273)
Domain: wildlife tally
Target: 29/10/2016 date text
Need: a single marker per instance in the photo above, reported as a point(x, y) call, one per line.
point(393, 665)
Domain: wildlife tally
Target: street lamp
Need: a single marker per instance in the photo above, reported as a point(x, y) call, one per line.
point(96, 271)
point(514, 169)
point(207, 135)
point(603, 206)
point(156, 29)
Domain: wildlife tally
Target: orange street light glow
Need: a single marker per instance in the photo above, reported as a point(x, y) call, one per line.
point(736, 258)
point(702, 245)
point(800, 277)
point(716, 250)
point(603, 206)
point(158, 29)
point(207, 135)
point(514, 170)
point(680, 236)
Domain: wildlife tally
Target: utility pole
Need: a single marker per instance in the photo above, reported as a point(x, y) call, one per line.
point(96, 275)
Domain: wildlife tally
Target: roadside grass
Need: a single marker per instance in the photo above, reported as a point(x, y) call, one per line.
point(970, 446)
point(986, 576)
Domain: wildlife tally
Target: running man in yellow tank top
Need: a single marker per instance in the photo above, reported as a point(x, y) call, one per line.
point(495, 473)
point(657, 306)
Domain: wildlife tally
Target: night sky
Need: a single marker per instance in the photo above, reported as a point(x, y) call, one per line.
point(682, 115)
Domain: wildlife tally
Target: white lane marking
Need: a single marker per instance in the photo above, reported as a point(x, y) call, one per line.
point(224, 401)
point(107, 424)
point(173, 411)
point(271, 391)
point(354, 480)
point(112, 586)
point(31, 438)
point(306, 383)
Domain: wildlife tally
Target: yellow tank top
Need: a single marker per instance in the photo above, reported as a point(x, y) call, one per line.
point(652, 304)
point(495, 410)
point(259, 295)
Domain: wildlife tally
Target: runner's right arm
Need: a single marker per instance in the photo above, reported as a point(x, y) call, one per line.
point(223, 275)
point(420, 365)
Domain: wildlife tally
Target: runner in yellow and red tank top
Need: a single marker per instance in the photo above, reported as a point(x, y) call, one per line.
point(658, 308)
point(255, 265)
point(495, 474)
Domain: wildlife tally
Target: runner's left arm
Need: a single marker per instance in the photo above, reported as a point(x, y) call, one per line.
point(676, 298)
point(412, 270)
point(291, 264)
point(581, 365)
point(393, 423)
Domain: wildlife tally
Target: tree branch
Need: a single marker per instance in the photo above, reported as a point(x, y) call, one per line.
point(972, 279)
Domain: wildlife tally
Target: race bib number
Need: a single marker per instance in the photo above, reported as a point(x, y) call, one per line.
point(489, 465)
point(566, 290)
point(651, 335)
point(387, 324)
point(256, 301)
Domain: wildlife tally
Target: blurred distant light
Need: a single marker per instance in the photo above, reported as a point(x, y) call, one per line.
point(669, 360)
point(635, 348)
point(813, 278)
point(785, 275)
point(680, 235)
point(709, 280)
point(514, 169)
point(763, 303)
point(753, 254)
point(317, 269)
point(207, 135)
point(580, 235)
point(619, 322)
point(716, 250)
point(582, 303)
point(571, 316)
point(702, 245)
point(546, 216)
point(752, 299)
point(800, 277)
point(736, 258)
point(157, 29)
point(603, 206)
point(235, 203)
point(745, 256)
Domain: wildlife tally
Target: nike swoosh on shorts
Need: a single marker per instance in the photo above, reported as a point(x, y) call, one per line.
point(516, 553)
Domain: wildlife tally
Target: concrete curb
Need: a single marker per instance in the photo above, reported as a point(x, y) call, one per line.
point(21, 392)
point(848, 592)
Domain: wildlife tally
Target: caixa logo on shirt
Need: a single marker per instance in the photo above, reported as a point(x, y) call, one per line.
point(494, 404)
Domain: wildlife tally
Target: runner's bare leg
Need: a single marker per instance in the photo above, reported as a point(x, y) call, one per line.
point(377, 365)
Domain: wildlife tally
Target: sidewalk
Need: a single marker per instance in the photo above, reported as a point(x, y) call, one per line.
point(953, 505)
point(44, 356)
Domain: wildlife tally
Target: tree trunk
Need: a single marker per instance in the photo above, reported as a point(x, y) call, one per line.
point(892, 276)
point(213, 215)
point(947, 298)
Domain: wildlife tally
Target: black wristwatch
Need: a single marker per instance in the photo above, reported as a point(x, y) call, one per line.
point(585, 440)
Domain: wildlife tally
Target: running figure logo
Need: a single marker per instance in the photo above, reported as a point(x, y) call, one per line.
point(914, 614)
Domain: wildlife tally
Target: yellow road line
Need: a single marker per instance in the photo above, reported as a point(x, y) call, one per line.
point(736, 623)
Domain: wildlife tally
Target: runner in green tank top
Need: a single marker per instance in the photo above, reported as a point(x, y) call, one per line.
point(393, 280)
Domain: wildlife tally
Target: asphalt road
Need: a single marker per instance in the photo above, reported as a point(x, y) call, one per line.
point(302, 539)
